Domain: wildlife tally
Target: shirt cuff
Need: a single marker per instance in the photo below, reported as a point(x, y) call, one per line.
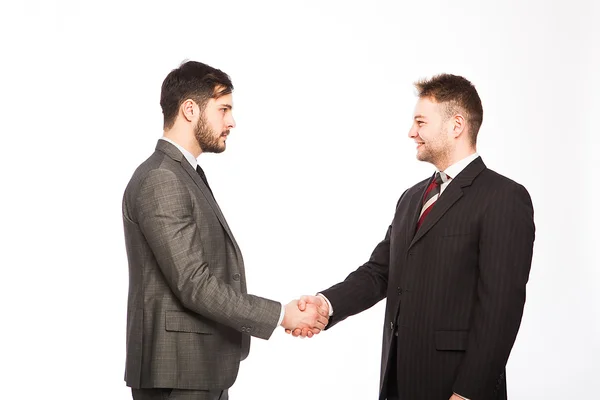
point(328, 303)
point(282, 314)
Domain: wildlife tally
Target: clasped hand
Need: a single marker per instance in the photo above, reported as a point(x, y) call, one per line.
point(306, 317)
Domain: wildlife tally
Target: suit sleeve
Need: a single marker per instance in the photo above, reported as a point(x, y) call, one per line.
point(364, 287)
point(165, 218)
point(505, 252)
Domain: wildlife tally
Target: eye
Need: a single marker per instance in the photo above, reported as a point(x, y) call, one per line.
point(420, 123)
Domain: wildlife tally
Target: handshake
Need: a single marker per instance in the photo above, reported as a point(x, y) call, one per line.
point(306, 317)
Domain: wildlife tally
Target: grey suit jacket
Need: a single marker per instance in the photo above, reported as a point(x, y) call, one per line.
point(189, 317)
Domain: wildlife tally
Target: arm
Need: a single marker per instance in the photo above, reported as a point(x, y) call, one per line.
point(165, 218)
point(364, 287)
point(368, 281)
point(367, 285)
point(505, 253)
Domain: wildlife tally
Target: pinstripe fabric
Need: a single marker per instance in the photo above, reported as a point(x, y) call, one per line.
point(189, 316)
point(455, 289)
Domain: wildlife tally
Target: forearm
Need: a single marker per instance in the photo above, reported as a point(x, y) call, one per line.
point(358, 292)
point(221, 302)
point(364, 287)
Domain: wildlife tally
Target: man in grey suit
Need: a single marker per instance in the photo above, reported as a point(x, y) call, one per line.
point(189, 317)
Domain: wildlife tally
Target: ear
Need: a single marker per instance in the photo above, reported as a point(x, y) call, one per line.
point(189, 110)
point(458, 125)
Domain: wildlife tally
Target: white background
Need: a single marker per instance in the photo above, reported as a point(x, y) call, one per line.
point(323, 102)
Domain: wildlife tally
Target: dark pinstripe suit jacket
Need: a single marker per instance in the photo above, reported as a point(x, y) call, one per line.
point(189, 317)
point(455, 290)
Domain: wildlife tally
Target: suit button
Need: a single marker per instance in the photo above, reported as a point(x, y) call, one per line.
point(236, 277)
point(391, 325)
point(399, 290)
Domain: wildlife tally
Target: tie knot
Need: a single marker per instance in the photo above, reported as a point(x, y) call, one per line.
point(441, 177)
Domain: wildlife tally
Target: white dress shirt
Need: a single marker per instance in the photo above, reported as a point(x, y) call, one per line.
point(193, 162)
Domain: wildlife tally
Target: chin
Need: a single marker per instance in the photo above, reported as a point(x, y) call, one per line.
point(423, 157)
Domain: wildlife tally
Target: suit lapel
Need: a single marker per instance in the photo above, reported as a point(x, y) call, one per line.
point(449, 197)
point(176, 155)
point(213, 204)
point(209, 197)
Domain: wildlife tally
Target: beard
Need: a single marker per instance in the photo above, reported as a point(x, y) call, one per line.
point(207, 138)
point(424, 154)
point(435, 152)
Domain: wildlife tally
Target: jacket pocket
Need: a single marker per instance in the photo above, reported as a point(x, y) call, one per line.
point(451, 340)
point(179, 321)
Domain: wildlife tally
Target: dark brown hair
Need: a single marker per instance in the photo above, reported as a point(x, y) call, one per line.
point(192, 80)
point(457, 94)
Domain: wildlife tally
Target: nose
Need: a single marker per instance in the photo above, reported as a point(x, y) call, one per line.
point(412, 132)
point(231, 122)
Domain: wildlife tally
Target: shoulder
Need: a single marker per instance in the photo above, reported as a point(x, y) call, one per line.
point(418, 187)
point(408, 193)
point(159, 175)
point(501, 191)
point(499, 183)
point(157, 167)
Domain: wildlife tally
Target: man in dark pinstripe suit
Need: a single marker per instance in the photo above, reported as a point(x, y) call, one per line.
point(189, 314)
point(453, 265)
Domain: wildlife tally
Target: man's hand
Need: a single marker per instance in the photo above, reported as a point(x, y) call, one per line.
point(308, 318)
point(457, 397)
point(307, 301)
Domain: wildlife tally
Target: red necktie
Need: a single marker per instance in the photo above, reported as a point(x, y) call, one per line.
point(431, 195)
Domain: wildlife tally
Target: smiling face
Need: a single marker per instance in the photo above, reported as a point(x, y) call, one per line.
point(432, 132)
point(214, 124)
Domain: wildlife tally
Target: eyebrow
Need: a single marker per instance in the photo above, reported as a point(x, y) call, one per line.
point(226, 105)
point(419, 116)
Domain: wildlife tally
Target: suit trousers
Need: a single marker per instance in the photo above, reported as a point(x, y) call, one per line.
point(178, 394)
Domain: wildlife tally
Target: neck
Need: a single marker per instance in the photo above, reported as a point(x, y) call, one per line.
point(454, 157)
point(185, 139)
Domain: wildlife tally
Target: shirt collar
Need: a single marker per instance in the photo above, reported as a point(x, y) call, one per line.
point(456, 168)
